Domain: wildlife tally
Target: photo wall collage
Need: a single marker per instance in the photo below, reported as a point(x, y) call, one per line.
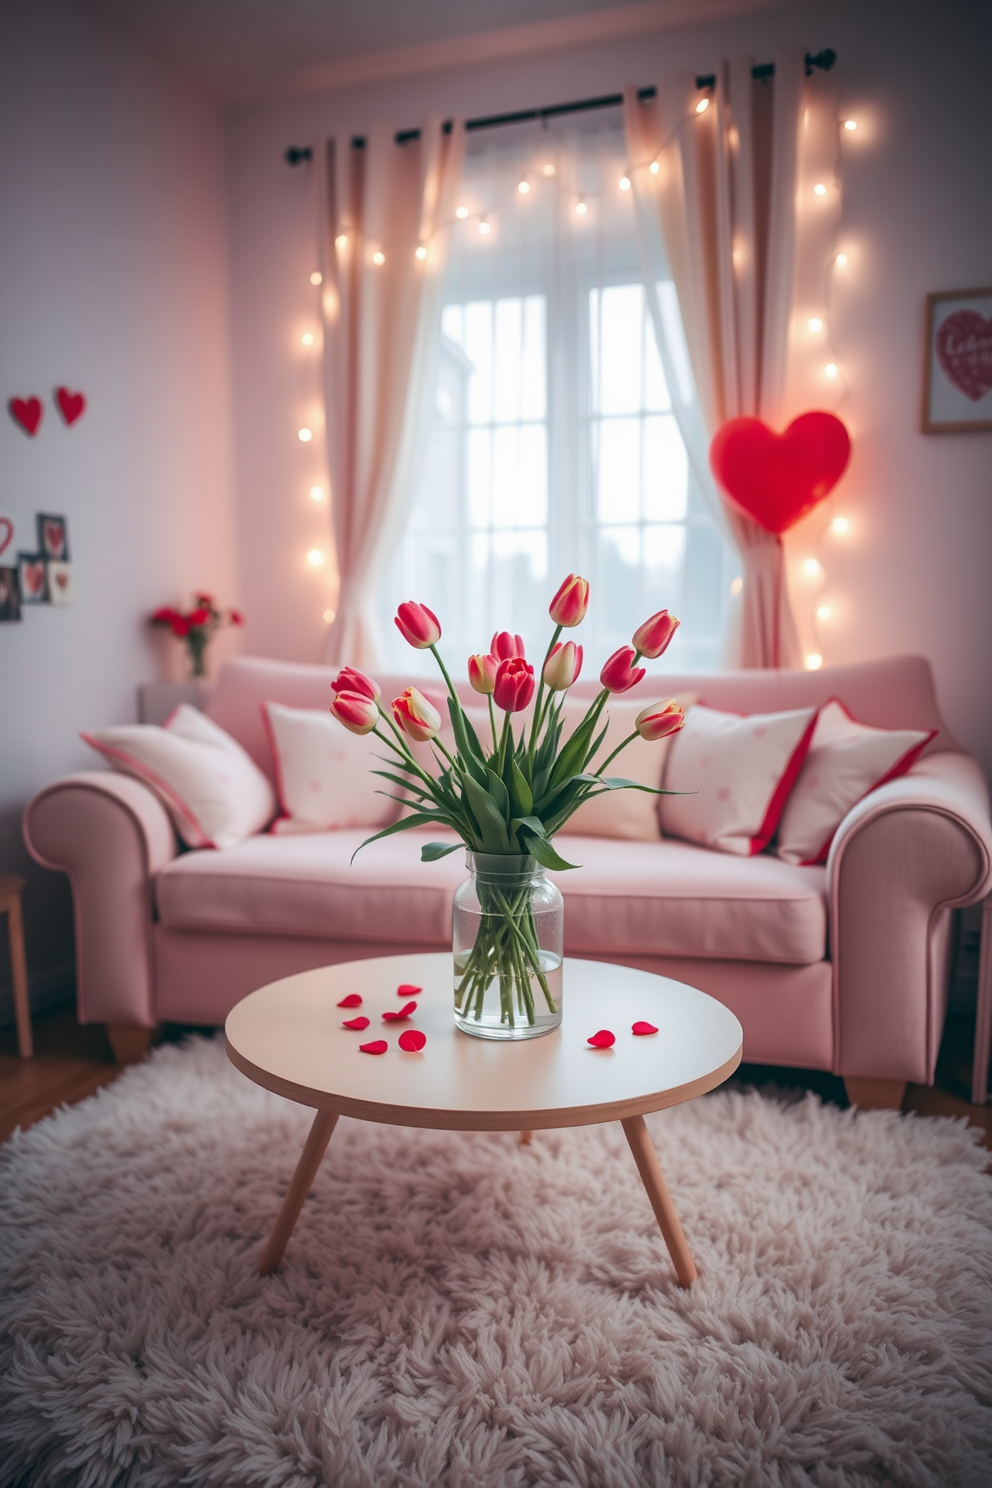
point(42, 576)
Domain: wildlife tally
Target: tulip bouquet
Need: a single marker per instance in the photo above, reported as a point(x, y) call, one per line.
point(507, 793)
point(196, 627)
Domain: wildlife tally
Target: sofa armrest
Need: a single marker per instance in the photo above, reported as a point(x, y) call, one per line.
point(901, 859)
point(111, 835)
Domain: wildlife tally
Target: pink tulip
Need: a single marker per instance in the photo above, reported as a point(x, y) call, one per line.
point(563, 666)
point(418, 625)
point(482, 673)
point(350, 679)
point(569, 605)
point(358, 713)
point(619, 673)
point(652, 638)
point(514, 684)
point(504, 645)
point(416, 716)
point(658, 720)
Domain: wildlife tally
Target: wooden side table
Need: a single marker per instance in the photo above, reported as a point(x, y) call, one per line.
point(10, 905)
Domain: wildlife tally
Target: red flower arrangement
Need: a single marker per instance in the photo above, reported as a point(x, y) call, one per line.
point(196, 627)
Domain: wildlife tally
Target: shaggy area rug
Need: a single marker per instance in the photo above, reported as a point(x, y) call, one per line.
point(462, 1310)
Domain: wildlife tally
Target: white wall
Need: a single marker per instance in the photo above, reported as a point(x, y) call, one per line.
point(113, 264)
point(913, 575)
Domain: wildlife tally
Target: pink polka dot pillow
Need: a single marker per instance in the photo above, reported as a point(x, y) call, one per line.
point(324, 773)
point(733, 775)
point(846, 760)
point(214, 792)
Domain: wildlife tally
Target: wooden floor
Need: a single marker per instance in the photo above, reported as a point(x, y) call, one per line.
point(71, 1062)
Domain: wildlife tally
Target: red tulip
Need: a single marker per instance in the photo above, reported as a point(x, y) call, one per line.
point(418, 625)
point(416, 716)
point(482, 672)
point(569, 605)
point(563, 666)
point(619, 673)
point(658, 720)
point(200, 616)
point(504, 645)
point(180, 625)
point(652, 638)
point(514, 684)
point(237, 618)
point(350, 679)
point(358, 714)
point(164, 616)
point(204, 599)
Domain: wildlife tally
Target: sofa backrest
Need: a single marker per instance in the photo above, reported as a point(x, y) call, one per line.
point(897, 692)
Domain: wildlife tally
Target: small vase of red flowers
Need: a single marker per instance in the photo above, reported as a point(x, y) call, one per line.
point(196, 627)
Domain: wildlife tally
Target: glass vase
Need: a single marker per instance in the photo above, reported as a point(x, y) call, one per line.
point(507, 940)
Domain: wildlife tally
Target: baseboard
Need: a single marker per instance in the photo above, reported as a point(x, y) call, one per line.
point(53, 989)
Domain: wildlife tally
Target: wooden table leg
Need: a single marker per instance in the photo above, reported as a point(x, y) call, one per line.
point(19, 977)
point(526, 1138)
point(306, 1171)
point(983, 1011)
point(661, 1200)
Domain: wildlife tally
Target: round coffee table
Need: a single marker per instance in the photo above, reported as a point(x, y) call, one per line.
point(288, 1037)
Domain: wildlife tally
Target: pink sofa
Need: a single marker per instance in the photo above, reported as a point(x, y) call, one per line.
point(841, 968)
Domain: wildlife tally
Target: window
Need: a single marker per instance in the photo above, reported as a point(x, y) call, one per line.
point(554, 447)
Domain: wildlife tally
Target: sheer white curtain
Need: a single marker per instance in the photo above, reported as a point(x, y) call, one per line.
point(737, 204)
point(555, 447)
point(381, 212)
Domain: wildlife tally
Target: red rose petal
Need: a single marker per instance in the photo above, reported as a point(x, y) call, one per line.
point(400, 1014)
point(377, 1046)
point(407, 989)
point(352, 1000)
point(412, 1040)
point(604, 1039)
point(356, 1023)
point(643, 1028)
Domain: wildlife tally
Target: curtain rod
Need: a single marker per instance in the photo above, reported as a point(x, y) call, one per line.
point(824, 60)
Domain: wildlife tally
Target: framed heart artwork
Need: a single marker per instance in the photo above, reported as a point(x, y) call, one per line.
point(53, 537)
point(33, 580)
point(957, 367)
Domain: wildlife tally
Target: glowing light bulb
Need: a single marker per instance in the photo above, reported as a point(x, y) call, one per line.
point(841, 526)
point(316, 277)
point(624, 183)
point(814, 661)
point(736, 585)
point(830, 370)
point(580, 209)
point(823, 612)
point(307, 338)
point(654, 167)
point(420, 252)
point(702, 105)
point(850, 125)
point(547, 170)
point(523, 187)
point(305, 436)
point(811, 567)
point(316, 493)
point(378, 257)
point(315, 557)
point(840, 260)
point(815, 323)
point(819, 189)
point(341, 241)
point(484, 227)
point(330, 616)
point(461, 213)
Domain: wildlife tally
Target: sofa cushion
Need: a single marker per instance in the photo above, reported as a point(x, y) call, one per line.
point(648, 898)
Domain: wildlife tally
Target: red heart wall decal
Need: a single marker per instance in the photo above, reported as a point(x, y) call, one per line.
point(72, 404)
point(964, 351)
point(33, 575)
point(26, 412)
point(778, 478)
point(54, 540)
point(6, 534)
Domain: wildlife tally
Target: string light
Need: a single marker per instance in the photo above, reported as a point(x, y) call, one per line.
point(580, 209)
point(624, 183)
point(523, 187)
point(305, 436)
point(378, 257)
point(819, 189)
point(841, 526)
point(315, 557)
point(840, 260)
point(830, 370)
point(461, 213)
point(307, 338)
point(814, 661)
point(420, 252)
point(547, 170)
point(812, 567)
point(330, 616)
point(316, 277)
point(316, 493)
point(823, 612)
point(654, 167)
point(702, 105)
point(736, 585)
point(850, 125)
point(815, 323)
point(484, 227)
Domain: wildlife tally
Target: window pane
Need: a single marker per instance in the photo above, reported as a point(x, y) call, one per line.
point(479, 347)
point(618, 485)
point(520, 476)
point(666, 471)
point(621, 339)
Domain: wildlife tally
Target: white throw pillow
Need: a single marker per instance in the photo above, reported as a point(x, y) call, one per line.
point(846, 760)
point(324, 773)
point(214, 792)
point(737, 773)
point(623, 813)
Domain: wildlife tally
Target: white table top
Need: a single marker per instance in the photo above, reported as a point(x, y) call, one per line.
point(288, 1038)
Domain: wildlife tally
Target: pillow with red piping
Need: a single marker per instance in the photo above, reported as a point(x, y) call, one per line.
point(324, 773)
point(846, 761)
point(733, 775)
point(214, 792)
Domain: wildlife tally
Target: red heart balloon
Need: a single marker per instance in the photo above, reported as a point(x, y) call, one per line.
point(778, 478)
point(71, 404)
point(27, 412)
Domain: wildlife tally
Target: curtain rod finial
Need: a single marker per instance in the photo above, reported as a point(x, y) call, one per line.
point(296, 154)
